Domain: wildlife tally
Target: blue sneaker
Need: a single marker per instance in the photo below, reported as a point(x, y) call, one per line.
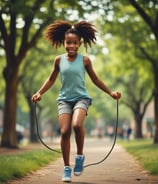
point(78, 165)
point(66, 174)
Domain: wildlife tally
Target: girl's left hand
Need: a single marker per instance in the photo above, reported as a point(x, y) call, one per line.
point(115, 95)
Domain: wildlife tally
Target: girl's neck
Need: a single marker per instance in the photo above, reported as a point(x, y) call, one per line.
point(71, 58)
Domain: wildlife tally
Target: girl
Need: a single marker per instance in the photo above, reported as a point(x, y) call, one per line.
point(73, 100)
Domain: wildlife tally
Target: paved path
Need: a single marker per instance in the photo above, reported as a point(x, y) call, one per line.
point(119, 168)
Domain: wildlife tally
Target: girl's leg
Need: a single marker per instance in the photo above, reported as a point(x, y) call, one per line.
point(77, 123)
point(65, 129)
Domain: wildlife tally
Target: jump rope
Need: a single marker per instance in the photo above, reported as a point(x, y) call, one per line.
point(91, 164)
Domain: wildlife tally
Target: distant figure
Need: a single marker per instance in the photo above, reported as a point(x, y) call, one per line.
point(110, 131)
point(19, 136)
point(129, 132)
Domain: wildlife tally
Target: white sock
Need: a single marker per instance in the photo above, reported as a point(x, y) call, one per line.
point(80, 156)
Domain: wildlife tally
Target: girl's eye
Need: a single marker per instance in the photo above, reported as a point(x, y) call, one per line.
point(68, 42)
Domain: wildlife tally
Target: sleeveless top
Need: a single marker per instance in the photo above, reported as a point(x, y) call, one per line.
point(72, 75)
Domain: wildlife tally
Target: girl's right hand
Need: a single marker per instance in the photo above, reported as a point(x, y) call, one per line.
point(36, 97)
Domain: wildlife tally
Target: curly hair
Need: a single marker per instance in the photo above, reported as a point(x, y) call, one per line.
point(55, 33)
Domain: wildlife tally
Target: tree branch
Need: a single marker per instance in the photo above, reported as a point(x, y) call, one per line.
point(32, 43)
point(156, 23)
point(148, 101)
point(143, 14)
point(12, 31)
point(148, 57)
point(146, 17)
point(4, 34)
point(28, 18)
point(128, 105)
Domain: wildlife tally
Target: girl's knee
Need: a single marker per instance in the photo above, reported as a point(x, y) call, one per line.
point(77, 127)
point(65, 133)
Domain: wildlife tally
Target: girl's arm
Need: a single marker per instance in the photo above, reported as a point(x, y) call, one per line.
point(99, 83)
point(49, 81)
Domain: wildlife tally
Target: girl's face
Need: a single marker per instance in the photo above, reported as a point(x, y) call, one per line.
point(72, 43)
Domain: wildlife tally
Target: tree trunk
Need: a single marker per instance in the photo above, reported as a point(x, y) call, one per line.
point(156, 108)
point(156, 120)
point(138, 133)
point(9, 138)
point(138, 120)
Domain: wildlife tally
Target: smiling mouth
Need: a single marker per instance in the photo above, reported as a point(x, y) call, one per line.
point(72, 54)
point(72, 51)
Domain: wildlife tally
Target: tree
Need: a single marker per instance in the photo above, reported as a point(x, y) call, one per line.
point(32, 75)
point(149, 13)
point(136, 97)
point(137, 81)
point(142, 19)
point(15, 50)
point(22, 23)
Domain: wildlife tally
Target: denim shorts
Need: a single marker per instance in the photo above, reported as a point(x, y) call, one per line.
point(65, 107)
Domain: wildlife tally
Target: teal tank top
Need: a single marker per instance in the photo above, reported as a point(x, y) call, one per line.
point(72, 75)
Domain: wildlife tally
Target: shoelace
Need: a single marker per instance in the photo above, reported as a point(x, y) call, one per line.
point(78, 163)
point(67, 172)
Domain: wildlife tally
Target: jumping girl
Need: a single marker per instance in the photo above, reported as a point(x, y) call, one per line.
point(73, 100)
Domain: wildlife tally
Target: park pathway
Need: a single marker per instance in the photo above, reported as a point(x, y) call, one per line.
point(118, 168)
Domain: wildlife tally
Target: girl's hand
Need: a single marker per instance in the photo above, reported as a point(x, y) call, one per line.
point(115, 95)
point(36, 97)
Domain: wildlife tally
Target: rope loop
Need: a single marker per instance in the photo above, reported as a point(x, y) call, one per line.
point(112, 147)
point(88, 165)
point(37, 126)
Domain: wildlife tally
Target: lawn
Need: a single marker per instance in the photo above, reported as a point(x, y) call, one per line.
point(14, 166)
point(145, 152)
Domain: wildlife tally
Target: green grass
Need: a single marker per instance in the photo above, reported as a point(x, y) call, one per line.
point(14, 166)
point(145, 152)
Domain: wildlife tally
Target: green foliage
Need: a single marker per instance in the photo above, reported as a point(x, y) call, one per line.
point(34, 71)
point(123, 34)
point(103, 106)
point(126, 35)
point(24, 22)
point(15, 166)
point(145, 151)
